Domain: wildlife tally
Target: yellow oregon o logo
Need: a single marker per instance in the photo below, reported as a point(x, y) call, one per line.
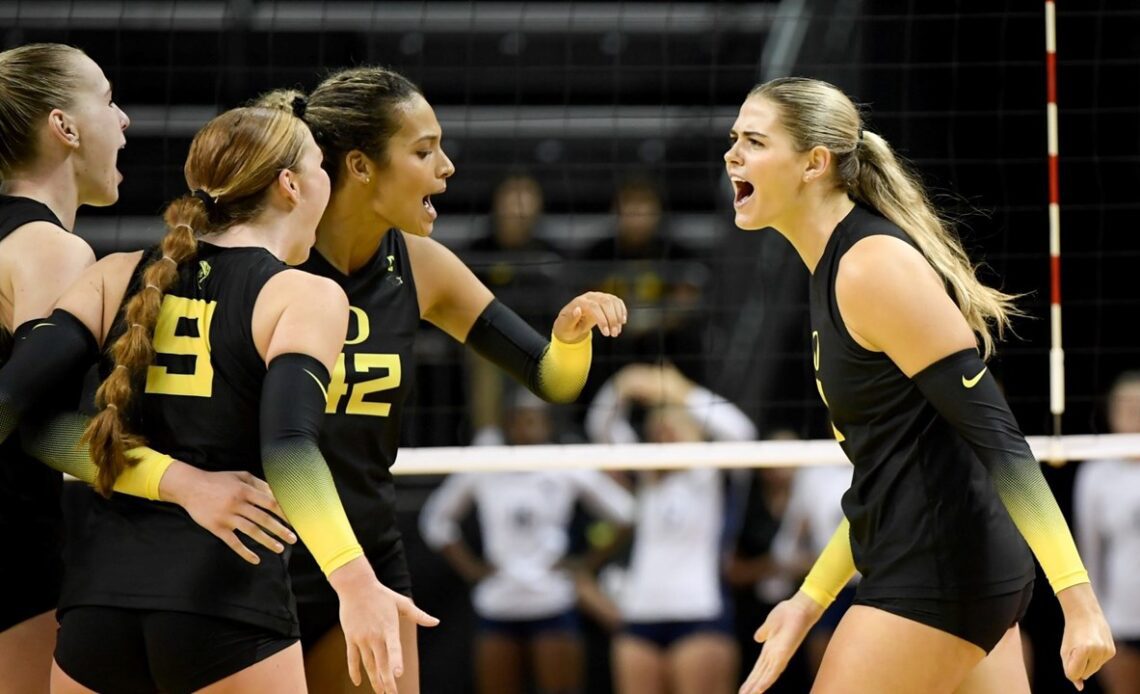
point(362, 329)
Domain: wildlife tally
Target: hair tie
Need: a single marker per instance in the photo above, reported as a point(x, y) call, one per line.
point(299, 104)
point(170, 260)
point(152, 286)
point(111, 406)
point(120, 366)
point(209, 201)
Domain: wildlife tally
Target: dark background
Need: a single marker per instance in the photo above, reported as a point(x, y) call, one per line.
point(958, 87)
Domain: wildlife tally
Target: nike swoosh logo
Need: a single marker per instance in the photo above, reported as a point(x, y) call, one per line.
point(319, 384)
point(971, 382)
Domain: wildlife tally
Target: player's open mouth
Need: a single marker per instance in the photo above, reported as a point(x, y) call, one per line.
point(744, 191)
point(429, 207)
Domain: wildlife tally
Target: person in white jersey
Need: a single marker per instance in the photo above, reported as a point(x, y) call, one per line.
point(525, 593)
point(1106, 503)
point(677, 636)
point(809, 521)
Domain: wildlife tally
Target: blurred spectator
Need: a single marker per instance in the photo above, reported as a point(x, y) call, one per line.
point(523, 271)
point(812, 514)
point(1106, 505)
point(516, 213)
point(758, 579)
point(524, 589)
point(660, 280)
point(677, 634)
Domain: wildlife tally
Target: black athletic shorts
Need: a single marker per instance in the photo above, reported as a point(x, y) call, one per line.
point(124, 651)
point(31, 530)
point(318, 609)
point(30, 580)
point(981, 621)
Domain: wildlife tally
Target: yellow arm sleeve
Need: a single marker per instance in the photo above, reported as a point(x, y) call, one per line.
point(564, 367)
point(55, 442)
point(833, 569)
point(301, 481)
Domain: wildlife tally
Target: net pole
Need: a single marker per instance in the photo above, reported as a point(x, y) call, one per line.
point(1056, 352)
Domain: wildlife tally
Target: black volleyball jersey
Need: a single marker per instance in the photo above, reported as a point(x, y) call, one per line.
point(360, 434)
point(198, 401)
point(29, 490)
point(925, 518)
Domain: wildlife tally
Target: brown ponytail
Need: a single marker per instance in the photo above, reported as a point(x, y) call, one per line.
point(816, 113)
point(233, 161)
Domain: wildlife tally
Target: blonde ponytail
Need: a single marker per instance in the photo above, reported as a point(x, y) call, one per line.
point(886, 184)
point(816, 113)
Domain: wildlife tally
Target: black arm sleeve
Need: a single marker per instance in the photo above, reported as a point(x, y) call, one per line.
point(503, 338)
point(964, 392)
point(46, 356)
point(293, 399)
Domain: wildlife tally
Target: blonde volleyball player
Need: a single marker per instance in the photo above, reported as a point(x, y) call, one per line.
point(946, 500)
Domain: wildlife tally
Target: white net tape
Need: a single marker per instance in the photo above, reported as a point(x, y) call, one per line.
point(666, 456)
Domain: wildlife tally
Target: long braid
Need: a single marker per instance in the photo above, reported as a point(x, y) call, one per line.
point(233, 161)
point(107, 434)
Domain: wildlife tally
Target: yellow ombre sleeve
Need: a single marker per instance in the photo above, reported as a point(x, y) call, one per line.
point(564, 367)
point(56, 442)
point(966, 394)
point(293, 401)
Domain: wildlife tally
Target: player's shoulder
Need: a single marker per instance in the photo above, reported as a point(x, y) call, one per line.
point(293, 284)
point(46, 246)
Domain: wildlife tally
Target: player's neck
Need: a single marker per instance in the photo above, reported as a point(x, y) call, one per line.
point(56, 189)
point(269, 231)
point(809, 226)
point(349, 233)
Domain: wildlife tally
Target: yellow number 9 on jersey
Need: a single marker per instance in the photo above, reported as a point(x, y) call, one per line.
point(183, 330)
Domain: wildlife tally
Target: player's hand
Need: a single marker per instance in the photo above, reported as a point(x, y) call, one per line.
point(1087, 642)
point(225, 503)
point(781, 633)
point(578, 318)
point(370, 615)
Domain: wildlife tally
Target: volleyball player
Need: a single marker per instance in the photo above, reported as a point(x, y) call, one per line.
point(1106, 510)
point(60, 133)
point(677, 631)
point(523, 584)
point(383, 150)
point(230, 352)
point(943, 478)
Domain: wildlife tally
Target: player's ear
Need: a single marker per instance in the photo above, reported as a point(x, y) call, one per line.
point(62, 127)
point(358, 166)
point(287, 186)
point(816, 162)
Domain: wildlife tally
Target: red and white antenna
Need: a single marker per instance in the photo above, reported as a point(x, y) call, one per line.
point(1056, 352)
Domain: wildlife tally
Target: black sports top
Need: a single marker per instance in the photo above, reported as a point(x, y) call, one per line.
point(199, 403)
point(29, 490)
point(925, 519)
point(360, 435)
